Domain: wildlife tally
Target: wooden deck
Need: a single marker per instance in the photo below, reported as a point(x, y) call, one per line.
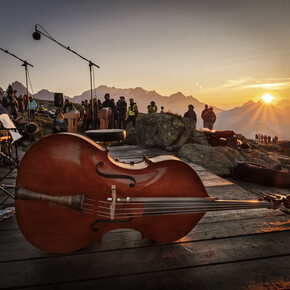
point(246, 249)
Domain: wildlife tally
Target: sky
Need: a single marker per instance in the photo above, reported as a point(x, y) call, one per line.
point(223, 52)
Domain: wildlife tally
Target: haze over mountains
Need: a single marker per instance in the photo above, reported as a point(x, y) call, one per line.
point(248, 119)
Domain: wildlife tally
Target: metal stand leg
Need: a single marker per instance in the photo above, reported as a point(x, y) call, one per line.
point(12, 168)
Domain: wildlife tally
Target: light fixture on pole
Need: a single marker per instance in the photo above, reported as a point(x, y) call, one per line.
point(37, 35)
point(25, 64)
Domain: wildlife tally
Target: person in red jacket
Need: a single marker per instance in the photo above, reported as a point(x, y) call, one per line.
point(203, 114)
point(209, 118)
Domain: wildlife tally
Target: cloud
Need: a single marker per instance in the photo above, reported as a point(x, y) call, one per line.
point(198, 85)
point(246, 82)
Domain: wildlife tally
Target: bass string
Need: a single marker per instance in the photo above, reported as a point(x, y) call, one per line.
point(154, 211)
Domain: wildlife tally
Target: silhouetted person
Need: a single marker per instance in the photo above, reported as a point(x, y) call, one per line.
point(265, 138)
point(152, 108)
point(209, 118)
point(203, 114)
point(10, 102)
point(108, 103)
point(132, 113)
point(190, 114)
point(68, 106)
point(162, 110)
point(121, 112)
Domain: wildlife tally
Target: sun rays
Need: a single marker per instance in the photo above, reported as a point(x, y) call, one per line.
point(267, 98)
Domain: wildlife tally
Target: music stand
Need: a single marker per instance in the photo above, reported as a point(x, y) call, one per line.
point(11, 137)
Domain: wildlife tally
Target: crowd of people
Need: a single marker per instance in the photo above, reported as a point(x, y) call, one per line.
point(265, 138)
point(16, 106)
point(121, 113)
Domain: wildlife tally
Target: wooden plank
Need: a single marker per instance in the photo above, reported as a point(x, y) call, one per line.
point(212, 225)
point(13, 245)
point(68, 268)
point(250, 274)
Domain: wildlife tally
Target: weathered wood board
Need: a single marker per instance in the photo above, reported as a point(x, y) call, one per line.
point(246, 249)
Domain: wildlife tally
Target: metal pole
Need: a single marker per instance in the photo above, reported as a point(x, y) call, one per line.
point(26, 76)
point(93, 111)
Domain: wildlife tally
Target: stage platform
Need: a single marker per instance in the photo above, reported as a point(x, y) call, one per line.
point(246, 249)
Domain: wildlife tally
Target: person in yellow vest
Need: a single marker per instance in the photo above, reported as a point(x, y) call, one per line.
point(152, 108)
point(132, 113)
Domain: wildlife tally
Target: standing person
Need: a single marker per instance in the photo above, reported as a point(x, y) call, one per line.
point(210, 118)
point(21, 104)
point(89, 116)
point(32, 107)
point(10, 103)
point(108, 103)
point(96, 118)
point(190, 114)
point(68, 106)
point(162, 110)
point(265, 138)
point(85, 108)
point(26, 101)
point(152, 108)
point(203, 114)
point(269, 139)
point(121, 112)
point(132, 113)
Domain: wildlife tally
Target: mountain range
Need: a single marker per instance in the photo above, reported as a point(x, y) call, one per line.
point(248, 119)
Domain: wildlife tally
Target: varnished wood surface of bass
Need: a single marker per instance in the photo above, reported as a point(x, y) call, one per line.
point(65, 187)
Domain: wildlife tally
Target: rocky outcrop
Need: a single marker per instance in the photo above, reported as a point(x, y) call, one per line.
point(208, 157)
point(220, 160)
point(159, 130)
point(178, 134)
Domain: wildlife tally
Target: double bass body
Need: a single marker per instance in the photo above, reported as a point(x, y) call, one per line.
point(67, 187)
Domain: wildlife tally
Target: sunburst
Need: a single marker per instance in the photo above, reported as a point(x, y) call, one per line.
point(267, 98)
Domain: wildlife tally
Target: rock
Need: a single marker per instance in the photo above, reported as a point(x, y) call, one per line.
point(284, 144)
point(159, 130)
point(198, 138)
point(232, 154)
point(208, 157)
point(260, 158)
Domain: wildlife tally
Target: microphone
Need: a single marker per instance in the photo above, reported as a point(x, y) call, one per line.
point(36, 35)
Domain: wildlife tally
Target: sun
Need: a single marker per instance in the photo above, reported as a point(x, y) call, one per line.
point(267, 98)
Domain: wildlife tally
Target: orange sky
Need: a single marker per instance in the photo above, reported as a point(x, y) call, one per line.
point(221, 52)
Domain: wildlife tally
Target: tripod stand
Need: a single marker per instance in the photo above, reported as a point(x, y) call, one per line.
point(14, 163)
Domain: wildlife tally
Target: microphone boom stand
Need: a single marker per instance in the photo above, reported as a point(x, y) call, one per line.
point(2, 187)
point(25, 64)
point(36, 36)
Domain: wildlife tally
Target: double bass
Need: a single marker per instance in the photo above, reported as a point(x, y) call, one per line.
point(70, 192)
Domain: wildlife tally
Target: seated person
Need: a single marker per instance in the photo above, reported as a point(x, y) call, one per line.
point(27, 130)
point(59, 125)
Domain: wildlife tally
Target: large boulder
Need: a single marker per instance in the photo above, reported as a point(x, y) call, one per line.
point(159, 130)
